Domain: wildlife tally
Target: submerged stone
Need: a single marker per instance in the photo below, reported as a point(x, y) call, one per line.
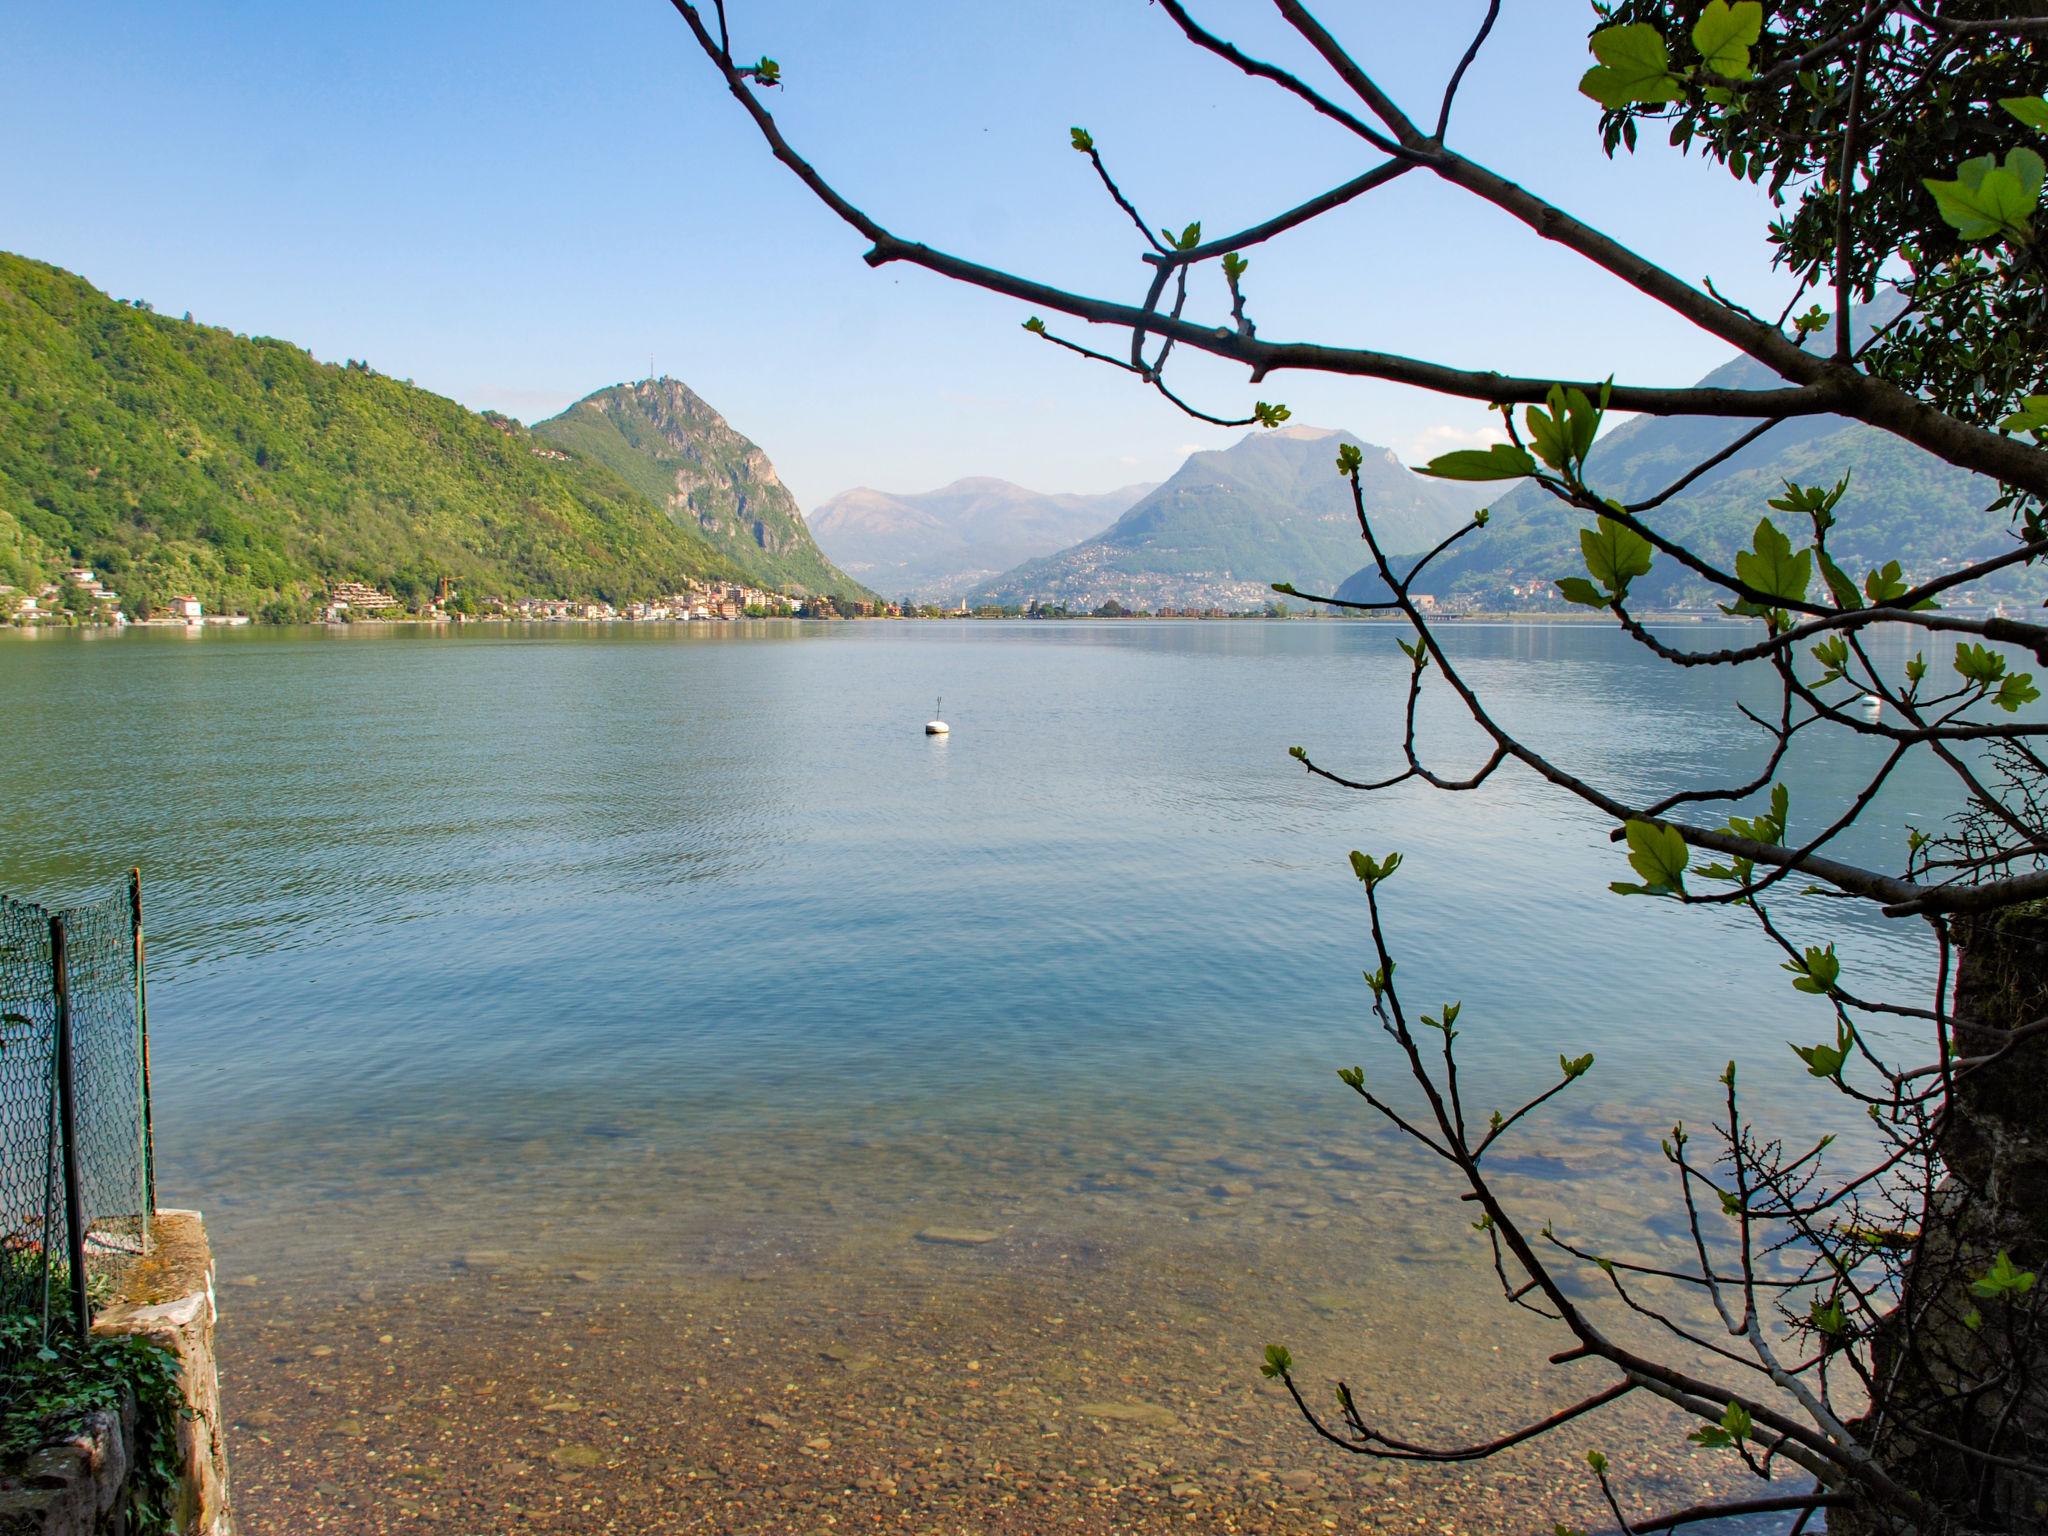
point(961, 1237)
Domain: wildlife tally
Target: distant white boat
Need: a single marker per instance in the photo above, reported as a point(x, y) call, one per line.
point(936, 726)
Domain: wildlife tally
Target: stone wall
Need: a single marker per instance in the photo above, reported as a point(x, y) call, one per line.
point(80, 1486)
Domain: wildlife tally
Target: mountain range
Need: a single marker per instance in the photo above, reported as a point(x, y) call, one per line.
point(1230, 522)
point(178, 458)
point(938, 545)
point(1902, 504)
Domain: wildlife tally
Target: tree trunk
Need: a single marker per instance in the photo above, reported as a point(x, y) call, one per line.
point(1962, 1377)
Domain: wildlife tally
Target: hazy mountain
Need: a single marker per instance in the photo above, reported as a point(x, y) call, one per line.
point(1231, 522)
point(1903, 504)
point(936, 545)
point(661, 438)
point(178, 458)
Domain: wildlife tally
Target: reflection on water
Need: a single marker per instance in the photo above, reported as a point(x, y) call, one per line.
point(650, 992)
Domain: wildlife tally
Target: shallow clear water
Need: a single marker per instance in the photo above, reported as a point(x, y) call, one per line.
point(675, 957)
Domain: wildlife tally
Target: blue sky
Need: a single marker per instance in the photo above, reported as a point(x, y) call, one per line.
point(514, 204)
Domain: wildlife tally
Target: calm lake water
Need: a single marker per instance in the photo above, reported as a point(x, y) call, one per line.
point(647, 992)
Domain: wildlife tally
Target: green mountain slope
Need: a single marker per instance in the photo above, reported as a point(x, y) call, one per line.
point(1229, 523)
point(663, 440)
point(1902, 505)
point(176, 458)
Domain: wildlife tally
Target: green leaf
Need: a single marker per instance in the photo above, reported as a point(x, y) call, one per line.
point(1772, 567)
point(1840, 587)
point(2031, 110)
point(1979, 664)
point(1576, 589)
point(1821, 1060)
point(767, 71)
point(1349, 458)
point(1234, 265)
point(1267, 415)
point(1769, 827)
point(1502, 461)
point(1615, 554)
point(1575, 1067)
point(1585, 418)
point(1725, 33)
point(2003, 1279)
point(2014, 691)
point(1816, 971)
point(1596, 1461)
point(1084, 141)
point(1987, 199)
point(1547, 434)
point(1372, 871)
point(1634, 68)
point(1035, 326)
point(1659, 855)
point(1278, 1361)
point(1190, 237)
point(2032, 416)
point(1352, 1078)
point(1828, 1317)
point(1885, 586)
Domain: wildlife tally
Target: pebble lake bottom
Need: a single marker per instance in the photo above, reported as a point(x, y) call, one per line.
point(637, 1081)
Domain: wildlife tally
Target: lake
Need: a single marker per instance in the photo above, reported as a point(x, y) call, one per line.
point(673, 1092)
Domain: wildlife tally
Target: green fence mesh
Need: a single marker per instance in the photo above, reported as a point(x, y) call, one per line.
point(31, 1206)
point(98, 997)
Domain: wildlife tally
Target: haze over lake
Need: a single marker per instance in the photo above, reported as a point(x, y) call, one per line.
point(672, 979)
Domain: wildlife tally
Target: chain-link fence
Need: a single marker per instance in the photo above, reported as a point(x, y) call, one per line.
point(77, 1187)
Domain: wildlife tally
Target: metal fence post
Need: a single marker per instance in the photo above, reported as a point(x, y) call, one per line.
point(67, 1117)
point(145, 1129)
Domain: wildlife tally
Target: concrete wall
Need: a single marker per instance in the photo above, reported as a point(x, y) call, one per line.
point(80, 1486)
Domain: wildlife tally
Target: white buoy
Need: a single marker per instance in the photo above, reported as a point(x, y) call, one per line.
point(936, 726)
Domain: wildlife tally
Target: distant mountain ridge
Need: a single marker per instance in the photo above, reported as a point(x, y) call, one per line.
point(182, 459)
point(664, 440)
point(1903, 504)
point(937, 545)
point(1230, 522)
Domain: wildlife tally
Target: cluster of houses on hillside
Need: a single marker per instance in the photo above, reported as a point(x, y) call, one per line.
point(81, 597)
point(95, 602)
point(349, 601)
point(721, 601)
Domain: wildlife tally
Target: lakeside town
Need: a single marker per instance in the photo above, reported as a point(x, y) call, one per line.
point(83, 599)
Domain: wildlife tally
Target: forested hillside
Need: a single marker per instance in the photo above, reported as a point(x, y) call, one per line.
point(176, 457)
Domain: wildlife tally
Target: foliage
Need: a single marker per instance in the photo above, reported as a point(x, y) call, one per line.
point(178, 458)
point(49, 1390)
point(1869, 1325)
point(1913, 100)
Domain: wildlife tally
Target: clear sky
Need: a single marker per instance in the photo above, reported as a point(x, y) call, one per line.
point(518, 202)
